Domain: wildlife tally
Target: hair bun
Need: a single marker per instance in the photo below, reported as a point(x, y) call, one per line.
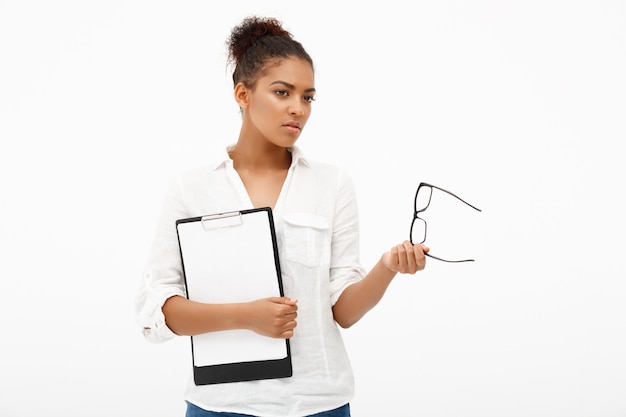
point(251, 29)
point(256, 44)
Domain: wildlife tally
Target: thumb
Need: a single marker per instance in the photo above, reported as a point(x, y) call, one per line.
point(286, 300)
point(290, 301)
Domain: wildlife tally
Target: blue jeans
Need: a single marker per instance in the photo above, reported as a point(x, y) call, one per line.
point(195, 411)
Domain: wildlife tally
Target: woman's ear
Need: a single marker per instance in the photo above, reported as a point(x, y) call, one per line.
point(242, 95)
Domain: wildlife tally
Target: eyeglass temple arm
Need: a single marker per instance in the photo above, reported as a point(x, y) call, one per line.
point(446, 260)
point(452, 194)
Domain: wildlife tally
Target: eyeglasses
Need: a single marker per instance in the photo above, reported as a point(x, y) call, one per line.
point(423, 196)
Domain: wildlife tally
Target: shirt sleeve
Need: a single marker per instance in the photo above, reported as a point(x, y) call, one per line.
point(163, 276)
point(345, 268)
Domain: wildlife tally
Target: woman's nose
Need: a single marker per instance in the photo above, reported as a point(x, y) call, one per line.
point(296, 110)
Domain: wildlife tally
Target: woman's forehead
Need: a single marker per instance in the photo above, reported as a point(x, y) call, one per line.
point(294, 71)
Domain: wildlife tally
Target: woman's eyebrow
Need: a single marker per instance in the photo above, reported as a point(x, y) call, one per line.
point(291, 86)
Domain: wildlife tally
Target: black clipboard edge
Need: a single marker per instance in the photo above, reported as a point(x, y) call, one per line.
point(241, 371)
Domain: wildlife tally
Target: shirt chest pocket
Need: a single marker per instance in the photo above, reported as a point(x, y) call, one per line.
point(307, 238)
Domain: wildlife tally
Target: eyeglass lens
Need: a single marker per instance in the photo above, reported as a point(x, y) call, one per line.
point(418, 231)
point(422, 198)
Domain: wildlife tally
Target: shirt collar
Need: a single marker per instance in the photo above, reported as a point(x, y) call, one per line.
point(297, 157)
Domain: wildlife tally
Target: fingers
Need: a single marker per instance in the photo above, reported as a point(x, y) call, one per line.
point(286, 321)
point(285, 307)
point(407, 258)
point(284, 315)
point(288, 326)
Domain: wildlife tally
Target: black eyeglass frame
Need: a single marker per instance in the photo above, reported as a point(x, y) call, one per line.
point(416, 213)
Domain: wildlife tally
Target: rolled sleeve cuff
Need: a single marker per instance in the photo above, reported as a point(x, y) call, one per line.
point(152, 319)
point(338, 285)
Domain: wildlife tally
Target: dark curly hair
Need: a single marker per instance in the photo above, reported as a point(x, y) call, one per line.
point(256, 44)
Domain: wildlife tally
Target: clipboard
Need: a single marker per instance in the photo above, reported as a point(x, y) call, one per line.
point(229, 258)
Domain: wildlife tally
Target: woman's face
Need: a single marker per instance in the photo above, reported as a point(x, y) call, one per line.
point(280, 104)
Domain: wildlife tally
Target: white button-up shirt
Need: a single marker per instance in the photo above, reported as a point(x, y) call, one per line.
point(316, 223)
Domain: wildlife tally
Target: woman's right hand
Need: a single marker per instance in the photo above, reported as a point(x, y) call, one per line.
point(273, 317)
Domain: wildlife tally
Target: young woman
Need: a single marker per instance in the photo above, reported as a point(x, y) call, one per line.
point(316, 223)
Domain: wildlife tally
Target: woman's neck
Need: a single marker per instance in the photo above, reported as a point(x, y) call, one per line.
point(257, 156)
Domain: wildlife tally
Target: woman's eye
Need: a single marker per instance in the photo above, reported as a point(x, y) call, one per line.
point(309, 99)
point(283, 93)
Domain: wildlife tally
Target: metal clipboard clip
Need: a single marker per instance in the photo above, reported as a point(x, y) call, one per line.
point(221, 220)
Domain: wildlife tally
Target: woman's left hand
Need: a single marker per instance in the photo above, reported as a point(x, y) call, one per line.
point(406, 258)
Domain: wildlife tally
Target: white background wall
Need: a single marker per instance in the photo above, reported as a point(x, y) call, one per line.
point(518, 106)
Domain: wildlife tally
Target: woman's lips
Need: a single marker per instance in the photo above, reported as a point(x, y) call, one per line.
point(293, 127)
